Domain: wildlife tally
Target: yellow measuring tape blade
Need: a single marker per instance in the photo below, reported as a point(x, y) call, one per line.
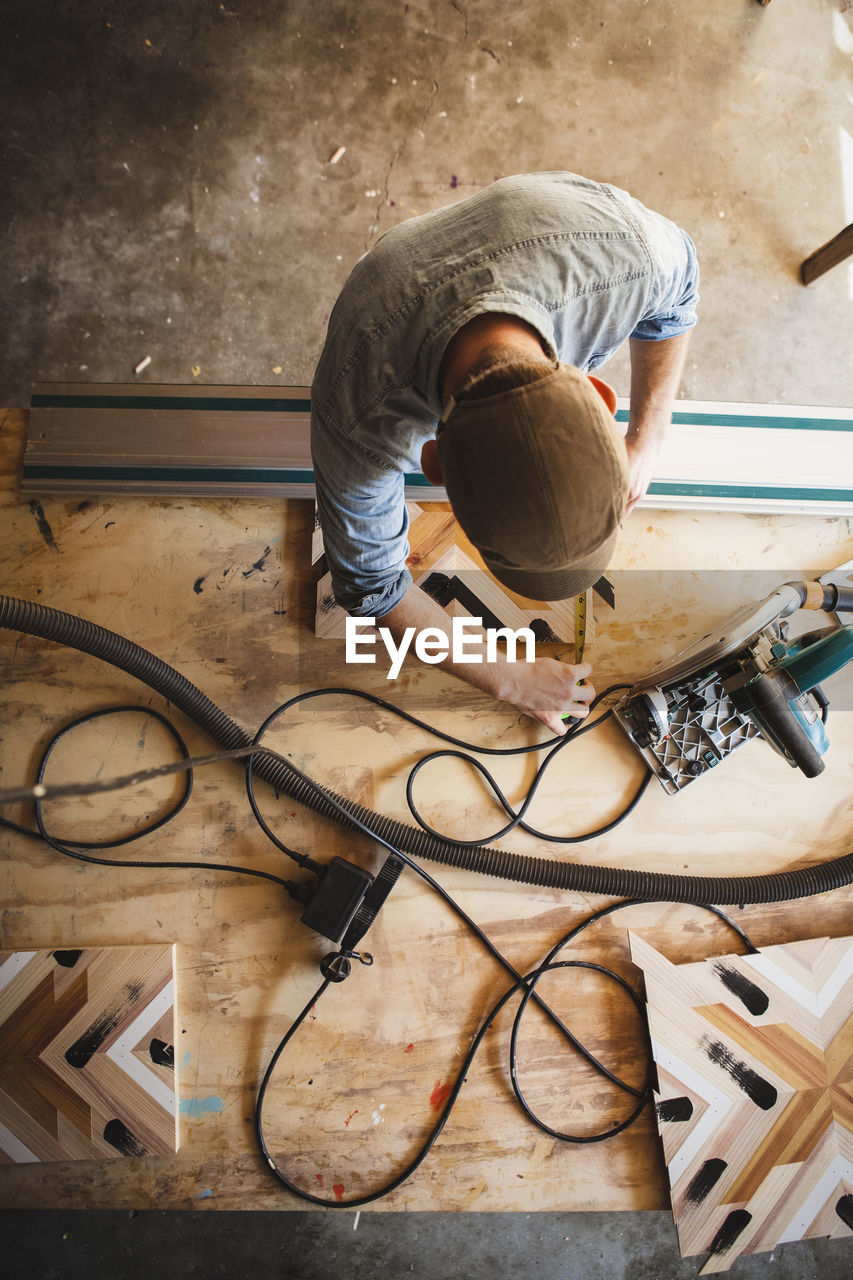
point(580, 627)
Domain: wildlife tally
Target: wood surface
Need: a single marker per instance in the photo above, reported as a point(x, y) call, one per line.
point(222, 590)
point(87, 1054)
point(755, 1096)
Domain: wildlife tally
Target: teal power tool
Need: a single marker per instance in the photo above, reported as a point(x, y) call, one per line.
point(744, 679)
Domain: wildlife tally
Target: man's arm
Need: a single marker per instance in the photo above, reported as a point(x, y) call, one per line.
point(545, 689)
point(656, 369)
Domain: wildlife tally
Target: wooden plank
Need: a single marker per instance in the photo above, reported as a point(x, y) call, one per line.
point(97, 438)
point(829, 255)
point(768, 1063)
point(84, 1074)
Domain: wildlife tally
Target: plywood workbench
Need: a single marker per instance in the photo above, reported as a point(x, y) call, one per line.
point(221, 588)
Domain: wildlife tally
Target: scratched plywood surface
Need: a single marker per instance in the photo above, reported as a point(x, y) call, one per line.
point(444, 564)
point(755, 1100)
point(222, 589)
point(87, 1054)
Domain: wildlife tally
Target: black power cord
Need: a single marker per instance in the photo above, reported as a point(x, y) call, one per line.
point(527, 983)
point(337, 965)
point(77, 848)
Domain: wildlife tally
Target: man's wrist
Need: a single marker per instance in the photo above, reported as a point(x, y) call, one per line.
point(650, 428)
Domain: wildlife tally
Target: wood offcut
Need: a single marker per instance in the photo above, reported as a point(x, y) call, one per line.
point(755, 1097)
point(829, 255)
point(444, 564)
point(86, 1054)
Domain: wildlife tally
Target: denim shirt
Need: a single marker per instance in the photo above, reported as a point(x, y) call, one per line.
point(584, 263)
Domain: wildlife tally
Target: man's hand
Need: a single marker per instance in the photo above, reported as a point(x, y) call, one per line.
point(548, 690)
point(656, 369)
point(643, 453)
point(545, 689)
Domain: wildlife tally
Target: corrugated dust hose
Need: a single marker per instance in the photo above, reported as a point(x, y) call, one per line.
point(64, 628)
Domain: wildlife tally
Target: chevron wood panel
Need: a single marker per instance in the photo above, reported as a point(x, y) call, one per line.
point(87, 1054)
point(754, 1057)
point(443, 563)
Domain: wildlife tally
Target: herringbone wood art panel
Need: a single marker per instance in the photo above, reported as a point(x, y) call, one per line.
point(87, 1054)
point(445, 565)
point(754, 1058)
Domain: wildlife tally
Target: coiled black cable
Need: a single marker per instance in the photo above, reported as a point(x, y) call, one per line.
point(79, 850)
point(517, 818)
point(527, 983)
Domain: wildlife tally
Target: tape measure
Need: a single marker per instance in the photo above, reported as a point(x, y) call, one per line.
point(580, 642)
point(580, 627)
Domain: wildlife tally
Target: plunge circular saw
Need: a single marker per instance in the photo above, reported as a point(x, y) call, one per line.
point(744, 679)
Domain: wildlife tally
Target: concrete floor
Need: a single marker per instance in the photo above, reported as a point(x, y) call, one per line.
point(407, 1246)
point(169, 192)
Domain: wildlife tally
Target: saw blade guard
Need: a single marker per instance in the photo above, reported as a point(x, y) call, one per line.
point(725, 639)
point(741, 680)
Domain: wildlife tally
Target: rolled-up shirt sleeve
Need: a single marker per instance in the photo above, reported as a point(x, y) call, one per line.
point(673, 303)
point(362, 510)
